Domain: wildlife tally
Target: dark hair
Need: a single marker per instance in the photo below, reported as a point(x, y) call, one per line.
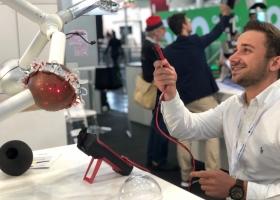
point(108, 34)
point(175, 22)
point(272, 37)
point(113, 34)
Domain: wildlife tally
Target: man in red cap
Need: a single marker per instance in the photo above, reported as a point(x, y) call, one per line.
point(155, 32)
point(157, 144)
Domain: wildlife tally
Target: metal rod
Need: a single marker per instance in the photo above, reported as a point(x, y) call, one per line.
point(16, 104)
point(33, 51)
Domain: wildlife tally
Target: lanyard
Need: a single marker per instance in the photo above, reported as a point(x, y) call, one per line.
point(237, 152)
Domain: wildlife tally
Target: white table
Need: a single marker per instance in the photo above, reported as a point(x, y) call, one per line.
point(64, 180)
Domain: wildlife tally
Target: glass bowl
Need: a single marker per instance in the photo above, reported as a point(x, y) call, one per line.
point(140, 187)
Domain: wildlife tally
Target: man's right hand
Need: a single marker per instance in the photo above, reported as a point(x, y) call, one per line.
point(165, 77)
point(225, 10)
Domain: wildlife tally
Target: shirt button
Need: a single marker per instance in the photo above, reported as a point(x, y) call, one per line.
point(248, 120)
point(239, 144)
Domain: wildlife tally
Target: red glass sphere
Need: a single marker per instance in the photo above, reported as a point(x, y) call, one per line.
point(50, 92)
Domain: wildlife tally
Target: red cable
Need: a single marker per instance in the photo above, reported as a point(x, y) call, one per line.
point(135, 164)
point(171, 139)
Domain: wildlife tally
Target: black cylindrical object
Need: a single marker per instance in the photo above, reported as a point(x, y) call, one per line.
point(92, 146)
point(15, 157)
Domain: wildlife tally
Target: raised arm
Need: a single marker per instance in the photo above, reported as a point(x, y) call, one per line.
point(180, 122)
point(207, 39)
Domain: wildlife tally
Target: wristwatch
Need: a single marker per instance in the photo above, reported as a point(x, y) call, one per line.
point(236, 192)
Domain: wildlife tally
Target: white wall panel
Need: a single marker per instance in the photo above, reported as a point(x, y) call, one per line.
point(8, 35)
point(39, 129)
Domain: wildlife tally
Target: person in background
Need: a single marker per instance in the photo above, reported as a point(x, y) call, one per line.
point(106, 38)
point(157, 144)
point(116, 49)
point(249, 123)
point(196, 84)
point(104, 58)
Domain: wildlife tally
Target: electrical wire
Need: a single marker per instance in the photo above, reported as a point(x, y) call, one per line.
point(173, 140)
point(169, 138)
point(76, 33)
point(135, 164)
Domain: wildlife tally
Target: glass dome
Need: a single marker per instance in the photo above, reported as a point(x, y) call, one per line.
point(140, 187)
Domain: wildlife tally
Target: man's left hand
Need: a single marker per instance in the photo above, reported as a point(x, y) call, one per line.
point(215, 183)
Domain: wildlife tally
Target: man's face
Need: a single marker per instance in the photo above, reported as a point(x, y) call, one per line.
point(249, 65)
point(161, 33)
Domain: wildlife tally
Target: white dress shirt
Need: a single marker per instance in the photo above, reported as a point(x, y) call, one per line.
point(259, 163)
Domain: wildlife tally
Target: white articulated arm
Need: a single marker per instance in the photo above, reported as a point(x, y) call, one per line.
point(33, 51)
point(57, 49)
point(15, 104)
point(50, 30)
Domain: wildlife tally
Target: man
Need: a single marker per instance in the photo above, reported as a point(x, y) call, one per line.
point(249, 122)
point(155, 32)
point(157, 144)
point(116, 49)
point(196, 84)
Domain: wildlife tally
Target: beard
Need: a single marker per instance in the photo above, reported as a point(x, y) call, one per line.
point(252, 77)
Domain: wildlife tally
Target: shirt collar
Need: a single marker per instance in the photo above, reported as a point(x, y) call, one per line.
point(264, 96)
point(150, 39)
point(267, 94)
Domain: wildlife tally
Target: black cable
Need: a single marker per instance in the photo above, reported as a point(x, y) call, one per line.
point(76, 33)
point(8, 72)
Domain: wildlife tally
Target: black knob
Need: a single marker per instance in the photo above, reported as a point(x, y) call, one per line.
point(15, 157)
